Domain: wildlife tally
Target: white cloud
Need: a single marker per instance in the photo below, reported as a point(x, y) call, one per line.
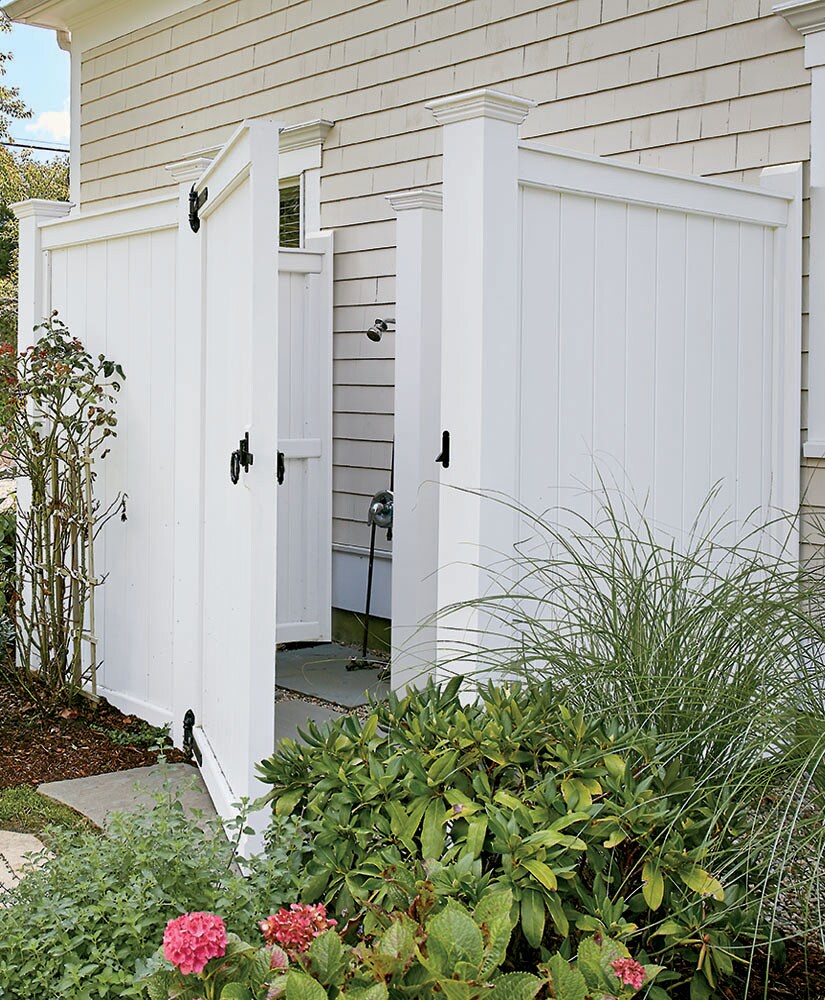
point(52, 125)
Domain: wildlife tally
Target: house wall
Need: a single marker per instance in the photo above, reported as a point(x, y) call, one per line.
point(706, 86)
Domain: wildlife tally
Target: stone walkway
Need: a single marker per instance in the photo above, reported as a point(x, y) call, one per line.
point(127, 791)
point(13, 850)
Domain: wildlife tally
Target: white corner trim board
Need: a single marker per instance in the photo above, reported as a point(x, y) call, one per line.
point(808, 17)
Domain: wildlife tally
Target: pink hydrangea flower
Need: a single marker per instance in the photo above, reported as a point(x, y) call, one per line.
point(295, 928)
point(192, 940)
point(629, 972)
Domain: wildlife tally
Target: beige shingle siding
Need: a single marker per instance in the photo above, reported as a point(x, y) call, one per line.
point(705, 86)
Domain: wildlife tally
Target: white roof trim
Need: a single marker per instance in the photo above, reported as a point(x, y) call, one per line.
point(63, 15)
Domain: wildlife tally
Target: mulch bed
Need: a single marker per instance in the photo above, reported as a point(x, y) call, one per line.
point(40, 744)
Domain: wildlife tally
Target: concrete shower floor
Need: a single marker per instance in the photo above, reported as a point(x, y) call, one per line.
point(313, 683)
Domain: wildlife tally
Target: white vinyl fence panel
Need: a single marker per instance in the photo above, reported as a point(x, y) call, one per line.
point(601, 325)
point(648, 353)
point(117, 293)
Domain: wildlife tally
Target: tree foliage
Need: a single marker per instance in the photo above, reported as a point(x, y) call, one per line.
point(22, 176)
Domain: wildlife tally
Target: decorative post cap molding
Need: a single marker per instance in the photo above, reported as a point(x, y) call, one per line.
point(39, 208)
point(405, 201)
point(804, 15)
point(306, 134)
point(185, 171)
point(481, 104)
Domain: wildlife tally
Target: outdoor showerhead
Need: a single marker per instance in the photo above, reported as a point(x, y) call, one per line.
point(379, 328)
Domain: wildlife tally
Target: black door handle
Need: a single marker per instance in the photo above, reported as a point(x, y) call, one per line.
point(281, 468)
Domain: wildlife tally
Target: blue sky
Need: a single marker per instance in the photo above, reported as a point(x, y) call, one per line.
point(41, 70)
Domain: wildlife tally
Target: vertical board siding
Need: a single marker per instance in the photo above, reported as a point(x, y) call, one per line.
point(646, 361)
point(693, 85)
point(132, 323)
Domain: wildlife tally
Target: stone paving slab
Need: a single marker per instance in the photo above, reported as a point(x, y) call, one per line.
point(292, 714)
point(127, 791)
point(13, 850)
point(321, 671)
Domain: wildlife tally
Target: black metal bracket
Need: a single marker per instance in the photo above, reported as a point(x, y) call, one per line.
point(241, 458)
point(444, 457)
point(281, 468)
point(196, 203)
point(190, 744)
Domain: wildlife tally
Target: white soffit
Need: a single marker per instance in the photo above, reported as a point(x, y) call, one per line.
point(98, 21)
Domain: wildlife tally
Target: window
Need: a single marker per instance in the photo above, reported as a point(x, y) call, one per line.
point(291, 214)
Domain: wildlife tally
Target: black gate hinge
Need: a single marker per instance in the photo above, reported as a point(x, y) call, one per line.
point(190, 744)
point(196, 203)
point(281, 468)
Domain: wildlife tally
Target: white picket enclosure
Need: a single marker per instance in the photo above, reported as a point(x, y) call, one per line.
point(220, 333)
point(598, 321)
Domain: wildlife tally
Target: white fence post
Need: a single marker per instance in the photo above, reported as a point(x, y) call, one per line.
point(32, 307)
point(189, 361)
point(417, 434)
point(480, 356)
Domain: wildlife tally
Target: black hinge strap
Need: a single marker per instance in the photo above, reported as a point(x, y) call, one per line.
point(190, 744)
point(196, 203)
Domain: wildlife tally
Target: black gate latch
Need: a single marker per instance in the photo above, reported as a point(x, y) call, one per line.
point(190, 745)
point(281, 468)
point(196, 203)
point(241, 458)
point(444, 457)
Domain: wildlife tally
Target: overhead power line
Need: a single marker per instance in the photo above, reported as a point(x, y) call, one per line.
point(44, 146)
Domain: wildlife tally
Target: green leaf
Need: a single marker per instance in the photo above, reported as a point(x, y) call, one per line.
point(285, 804)
point(702, 882)
point(300, 986)
point(532, 917)
point(398, 940)
point(568, 983)
point(557, 914)
point(432, 831)
point(454, 990)
point(476, 834)
point(515, 986)
point(589, 963)
point(455, 931)
point(235, 991)
point(326, 953)
point(542, 873)
point(376, 992)
point(615, 765)
point(653, 885)
point(700, 989)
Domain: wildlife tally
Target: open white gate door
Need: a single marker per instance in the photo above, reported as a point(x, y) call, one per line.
point(240, 305)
